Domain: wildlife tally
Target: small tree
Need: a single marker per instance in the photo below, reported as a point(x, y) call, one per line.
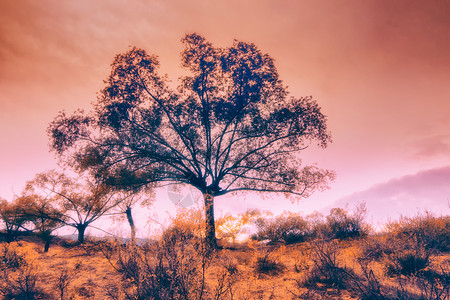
point(82, 200)
point(44, 216)
point(12, 218)
point(129, 200)
point(230, 126)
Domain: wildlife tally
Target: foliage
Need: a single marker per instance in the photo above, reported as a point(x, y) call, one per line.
point(42, 215)
point(13, 220)
point(179, 265)
point(342, 225)
point(10, 258)
point(288, 228)
point(229, 227)
point(229, 126)
point(434, 284)
point(19, 277)
point(430, 231)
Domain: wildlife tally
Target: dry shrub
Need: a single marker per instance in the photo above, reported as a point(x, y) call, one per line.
point(227, 275)
point(63, 281)
point(434, 284)
point(172, 268)
point(19, 278)
point(188, 221)
point(407, 263)
point(230, 228)
point(430, 231)
point(326, 268)
point(372, 249)
point(10, 257)
point(289, 228)
point(342, 225)
point(267, 264)
point(367, 286)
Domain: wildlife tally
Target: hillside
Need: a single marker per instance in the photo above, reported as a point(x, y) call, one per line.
point(410, 261)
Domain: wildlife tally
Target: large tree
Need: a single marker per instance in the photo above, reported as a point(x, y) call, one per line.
point(229, 126)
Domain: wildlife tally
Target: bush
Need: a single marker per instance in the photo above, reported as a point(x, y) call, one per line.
point(172, 268)
point(368, 287)
point(231, 228)
point(434, 284)
point(21, 283)
point(10, 258)
point(266, 264)
point(408, 263)
point(372, 249)
point(430, 231)
point(326, 269)
point(342, 225)
point(288, 228)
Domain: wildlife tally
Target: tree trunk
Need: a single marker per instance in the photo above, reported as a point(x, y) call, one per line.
point(47, 243)
point(47, 237)
point(132, 226)
point(81, 229)
point(211, 241)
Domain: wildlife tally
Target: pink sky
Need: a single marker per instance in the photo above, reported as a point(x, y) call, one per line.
point(379, 69)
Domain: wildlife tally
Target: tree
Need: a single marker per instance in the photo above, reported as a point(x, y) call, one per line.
point(129, 199)
point(81, 199)
point(44, 216)
point(229, 126)
point(12, 218)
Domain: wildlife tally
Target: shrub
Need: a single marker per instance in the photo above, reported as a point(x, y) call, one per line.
point(23, 285)
point(342, 225)
point(266, 264)
point(172, 268)
point(10, 258)
point(232, 228)
point(434, 284)
point(372, 249)
point(326, 269)
point(227, 277)
point(367, 286)
point(289, 228)
point(430, 231)
point(408, 263)
point(63, 281)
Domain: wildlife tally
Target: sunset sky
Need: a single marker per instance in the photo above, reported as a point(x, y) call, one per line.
point(380, 70)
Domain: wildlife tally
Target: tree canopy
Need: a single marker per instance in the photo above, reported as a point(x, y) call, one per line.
point(229, 126)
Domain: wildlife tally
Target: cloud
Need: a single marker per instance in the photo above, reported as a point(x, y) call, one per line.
point(432, 146)
point(404, 196)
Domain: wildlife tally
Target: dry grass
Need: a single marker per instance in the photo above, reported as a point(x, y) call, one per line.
point(178, 267)
point(80, 272)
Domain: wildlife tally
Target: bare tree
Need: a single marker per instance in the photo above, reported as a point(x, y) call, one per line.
point(229, 126)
